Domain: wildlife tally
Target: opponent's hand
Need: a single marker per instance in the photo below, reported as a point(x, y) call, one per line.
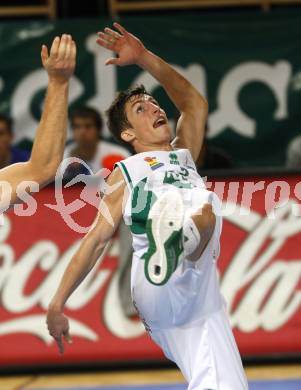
point(60, 62)
point(58, 327)
point(128, 47)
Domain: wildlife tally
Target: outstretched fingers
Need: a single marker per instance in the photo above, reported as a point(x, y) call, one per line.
point(121, 29)
point(44, 54)
point(108, 38)
point(124, 44)
point(55, 47)
point(112, 61)
point(60, 337)
point(70, 51)
point(67, 336)
point(73, 50)
point(113, 34)
point(63, 46)
point(102, 42)
point(68, 48)
point(60, 344)
point(105, 40)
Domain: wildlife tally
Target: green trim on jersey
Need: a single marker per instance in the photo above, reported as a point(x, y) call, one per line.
point(141, 204)
point(127, 175)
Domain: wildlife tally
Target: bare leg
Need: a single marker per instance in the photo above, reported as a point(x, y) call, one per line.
point(204, 220)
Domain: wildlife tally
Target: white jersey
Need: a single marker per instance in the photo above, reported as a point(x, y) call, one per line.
point(184, 307)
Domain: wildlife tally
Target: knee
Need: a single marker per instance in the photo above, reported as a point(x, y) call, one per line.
point(209, 216)
point(205, 218)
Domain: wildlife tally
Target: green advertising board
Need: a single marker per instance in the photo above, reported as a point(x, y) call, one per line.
point(247, 64)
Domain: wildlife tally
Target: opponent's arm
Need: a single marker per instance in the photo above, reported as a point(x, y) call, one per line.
point(191, 104)
point(50, 137)
point(83, 261)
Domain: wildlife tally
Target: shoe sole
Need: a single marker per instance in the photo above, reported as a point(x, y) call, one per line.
point(164, 233)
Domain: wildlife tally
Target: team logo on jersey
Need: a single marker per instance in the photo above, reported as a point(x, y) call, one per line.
point(153, 163)
point(173, 159)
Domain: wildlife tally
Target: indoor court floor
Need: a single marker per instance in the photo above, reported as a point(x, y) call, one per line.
point(286, 377)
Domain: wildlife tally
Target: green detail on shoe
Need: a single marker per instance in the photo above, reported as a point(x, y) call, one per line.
point(142, 201)
point(173, 248)
point(152, 247)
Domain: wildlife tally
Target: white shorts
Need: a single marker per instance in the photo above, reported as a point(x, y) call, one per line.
point(206, 353)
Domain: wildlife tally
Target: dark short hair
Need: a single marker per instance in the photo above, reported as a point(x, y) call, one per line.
point(8, 121)
point(87, 112)
point(117, 119)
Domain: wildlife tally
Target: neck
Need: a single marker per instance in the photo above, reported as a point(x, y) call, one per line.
point(140, 148)
point(201, 159)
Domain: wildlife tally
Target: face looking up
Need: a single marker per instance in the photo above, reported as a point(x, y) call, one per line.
point(148, 122)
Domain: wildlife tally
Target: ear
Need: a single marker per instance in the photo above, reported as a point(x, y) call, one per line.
point(128, 135)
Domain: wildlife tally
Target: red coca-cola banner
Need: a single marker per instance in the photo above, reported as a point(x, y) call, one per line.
point(260, 269)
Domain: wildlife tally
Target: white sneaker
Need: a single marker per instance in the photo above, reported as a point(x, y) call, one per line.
point(164, 232)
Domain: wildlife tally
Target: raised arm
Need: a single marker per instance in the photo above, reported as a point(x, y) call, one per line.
point(50, 137)
point(83, 261)
point(191, 104)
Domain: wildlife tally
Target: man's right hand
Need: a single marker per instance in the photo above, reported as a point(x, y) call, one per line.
point(128, 47)
point(58, 327)
point(60, 62)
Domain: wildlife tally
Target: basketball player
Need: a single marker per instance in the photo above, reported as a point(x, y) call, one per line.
point(175, 224)
point(48, 147)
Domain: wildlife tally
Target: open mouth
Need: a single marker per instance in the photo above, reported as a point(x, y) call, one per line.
point(159, 122)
